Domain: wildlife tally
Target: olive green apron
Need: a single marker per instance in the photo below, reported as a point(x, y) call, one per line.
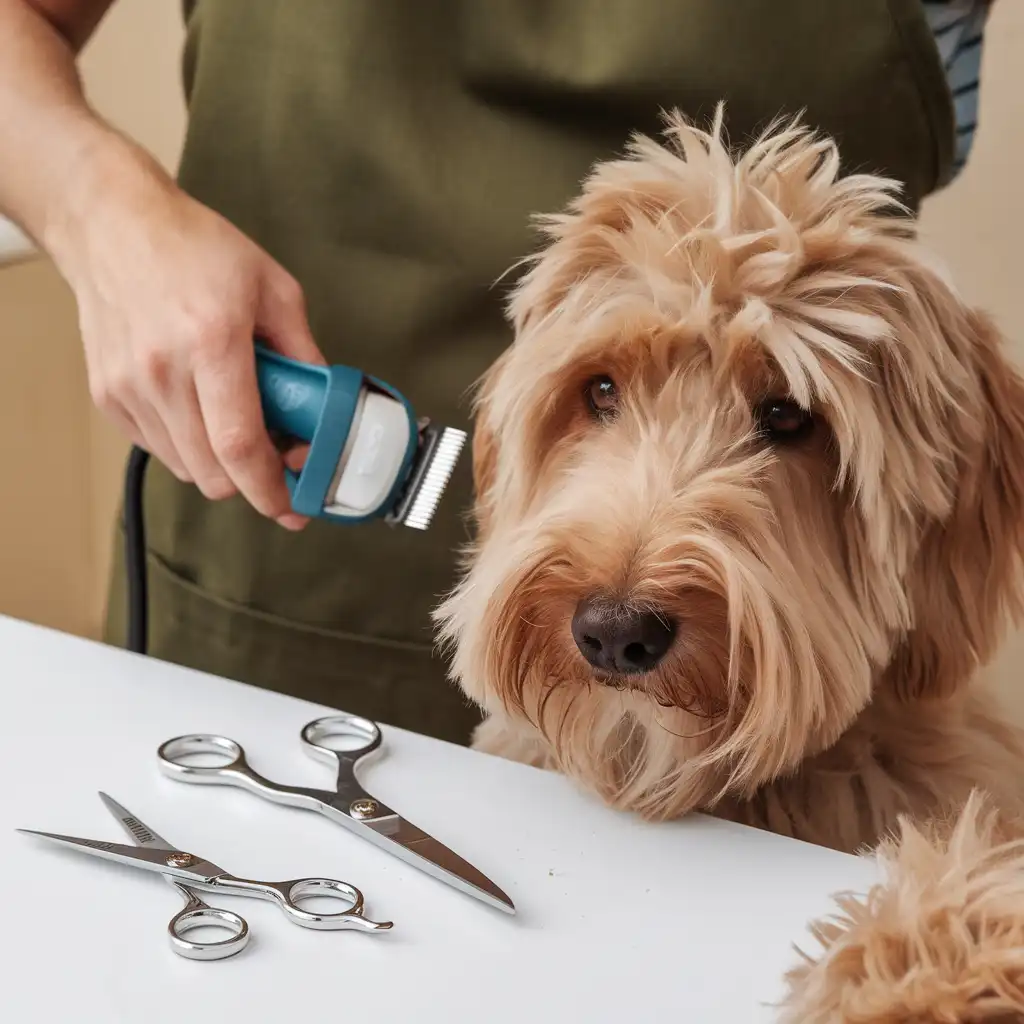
point(389, 154)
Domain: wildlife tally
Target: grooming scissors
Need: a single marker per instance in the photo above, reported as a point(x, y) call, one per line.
point(185, 870)
point(348, 804)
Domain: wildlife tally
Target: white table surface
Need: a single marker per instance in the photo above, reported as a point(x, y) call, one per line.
point(618, 920)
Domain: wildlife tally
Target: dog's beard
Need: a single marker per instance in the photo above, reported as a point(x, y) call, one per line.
point(770, 662)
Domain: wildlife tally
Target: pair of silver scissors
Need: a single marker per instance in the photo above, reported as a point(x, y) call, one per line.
point(348, 804)
point(152, 853)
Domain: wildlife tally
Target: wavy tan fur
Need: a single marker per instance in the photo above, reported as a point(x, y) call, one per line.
point(836, 597)
point(941, 939)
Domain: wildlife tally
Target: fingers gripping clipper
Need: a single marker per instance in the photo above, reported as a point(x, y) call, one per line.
point(369, 458)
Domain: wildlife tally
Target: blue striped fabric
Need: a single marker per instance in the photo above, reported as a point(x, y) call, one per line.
point(959, 28)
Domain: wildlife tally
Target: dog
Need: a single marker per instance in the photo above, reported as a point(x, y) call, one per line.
point(749, 519)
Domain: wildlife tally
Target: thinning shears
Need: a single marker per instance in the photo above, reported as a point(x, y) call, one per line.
point(185, 871)
point(348, 804)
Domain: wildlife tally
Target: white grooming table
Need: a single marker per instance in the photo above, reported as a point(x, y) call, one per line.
point(618, 920)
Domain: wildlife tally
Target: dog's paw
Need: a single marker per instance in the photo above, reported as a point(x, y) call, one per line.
point(939, 941)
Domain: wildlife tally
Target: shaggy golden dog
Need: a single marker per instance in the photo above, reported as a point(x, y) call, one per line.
point(750, 510)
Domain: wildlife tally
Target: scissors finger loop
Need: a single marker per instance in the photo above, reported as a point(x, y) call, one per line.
point(324, 737)
point(198, 915)
point(176, 754)
point(294, 892)
point(305, 888)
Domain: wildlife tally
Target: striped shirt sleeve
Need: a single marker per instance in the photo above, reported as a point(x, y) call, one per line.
point(958, 27)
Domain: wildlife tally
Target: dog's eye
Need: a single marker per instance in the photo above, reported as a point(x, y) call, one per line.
point(602, 396)
point(781, 419)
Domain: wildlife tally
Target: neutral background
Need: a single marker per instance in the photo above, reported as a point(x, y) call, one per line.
point(62, 470)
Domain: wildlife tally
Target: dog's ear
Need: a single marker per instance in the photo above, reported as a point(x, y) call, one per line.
point(967, 581)
point(485, 457)
point(485, 446)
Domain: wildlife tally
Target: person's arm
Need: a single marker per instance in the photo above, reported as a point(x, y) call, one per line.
point(44, 120)
point(169, 294)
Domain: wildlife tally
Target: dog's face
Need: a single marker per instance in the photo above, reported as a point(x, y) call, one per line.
point(749, 459)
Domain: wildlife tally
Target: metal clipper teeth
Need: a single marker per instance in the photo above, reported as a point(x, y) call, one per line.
point(439, 451)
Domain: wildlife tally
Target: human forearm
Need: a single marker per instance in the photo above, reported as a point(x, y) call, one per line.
point(57, 147)
point(169, 293)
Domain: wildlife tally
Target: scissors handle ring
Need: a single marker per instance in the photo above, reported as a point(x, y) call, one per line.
point(197, 914)
point(316, 735)
point(173, 753)
point(352, 917)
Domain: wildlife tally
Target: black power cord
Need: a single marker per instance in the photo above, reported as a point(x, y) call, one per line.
point(137, 597)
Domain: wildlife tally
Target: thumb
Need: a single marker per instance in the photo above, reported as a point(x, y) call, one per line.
point(281, 318)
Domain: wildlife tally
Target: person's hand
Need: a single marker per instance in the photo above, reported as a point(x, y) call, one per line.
point(170, 298)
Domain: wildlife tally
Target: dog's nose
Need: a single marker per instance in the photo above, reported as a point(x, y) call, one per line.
point(618, 639)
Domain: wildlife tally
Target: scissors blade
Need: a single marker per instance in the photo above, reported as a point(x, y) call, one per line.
point(149, 858)
point(424, 852)
point(140, 833)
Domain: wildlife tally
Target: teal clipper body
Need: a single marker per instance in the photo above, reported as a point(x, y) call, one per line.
point(369, 457)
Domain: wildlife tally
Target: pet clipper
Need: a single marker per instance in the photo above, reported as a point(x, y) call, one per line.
point(369, 458)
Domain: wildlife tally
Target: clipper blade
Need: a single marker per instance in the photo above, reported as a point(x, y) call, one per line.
point(438, 452)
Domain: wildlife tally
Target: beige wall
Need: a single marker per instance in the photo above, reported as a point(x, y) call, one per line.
point(60, 482)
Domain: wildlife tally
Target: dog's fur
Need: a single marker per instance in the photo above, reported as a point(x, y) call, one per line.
point(835, 597)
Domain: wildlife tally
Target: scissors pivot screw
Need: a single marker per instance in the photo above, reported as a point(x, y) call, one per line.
point(363, 808)
point(180, 860)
